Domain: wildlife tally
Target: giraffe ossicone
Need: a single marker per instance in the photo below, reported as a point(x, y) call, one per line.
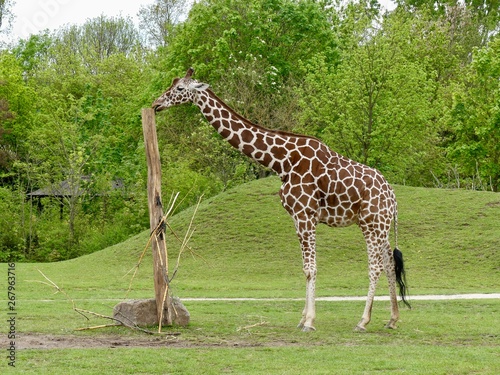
point(318, 186)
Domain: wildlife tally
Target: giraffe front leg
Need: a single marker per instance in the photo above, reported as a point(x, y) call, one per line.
point(365, 319)
point(306, 230)
point(309, 312)
point(304, 312)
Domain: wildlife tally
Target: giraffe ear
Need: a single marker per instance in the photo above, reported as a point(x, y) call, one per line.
point(199, 86)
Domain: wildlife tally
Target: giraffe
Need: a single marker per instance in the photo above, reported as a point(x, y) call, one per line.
point(318, 186)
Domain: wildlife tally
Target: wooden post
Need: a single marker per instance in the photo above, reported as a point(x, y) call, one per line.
point(160, 259)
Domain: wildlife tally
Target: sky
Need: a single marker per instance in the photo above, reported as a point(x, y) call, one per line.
point(33, 16)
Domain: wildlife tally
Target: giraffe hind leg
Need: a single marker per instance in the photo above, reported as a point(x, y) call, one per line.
point(365, 319)
point(390, 270)
point(376, 266)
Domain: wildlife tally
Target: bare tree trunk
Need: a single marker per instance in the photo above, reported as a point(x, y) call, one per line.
point(160, 259)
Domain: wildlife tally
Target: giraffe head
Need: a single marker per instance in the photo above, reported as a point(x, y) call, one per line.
point(182, 90)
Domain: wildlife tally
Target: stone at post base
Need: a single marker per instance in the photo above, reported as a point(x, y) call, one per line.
point(142, 313)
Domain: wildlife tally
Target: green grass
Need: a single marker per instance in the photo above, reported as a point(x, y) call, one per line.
point(449, 337)
point(348, 360)
point(450, 240)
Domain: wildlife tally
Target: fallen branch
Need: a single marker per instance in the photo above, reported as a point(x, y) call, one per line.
point(57, 288)
point(97, 327)
point(83, 312)
point(247, 328)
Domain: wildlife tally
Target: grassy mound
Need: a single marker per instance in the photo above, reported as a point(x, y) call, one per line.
point(247, 247)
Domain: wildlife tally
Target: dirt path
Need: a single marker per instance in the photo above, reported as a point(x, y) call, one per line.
point(377, 298)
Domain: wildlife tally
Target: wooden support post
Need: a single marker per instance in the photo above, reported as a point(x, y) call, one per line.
point(159, 247)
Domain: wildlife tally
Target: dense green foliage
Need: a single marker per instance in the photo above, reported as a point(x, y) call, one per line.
point(413, 92)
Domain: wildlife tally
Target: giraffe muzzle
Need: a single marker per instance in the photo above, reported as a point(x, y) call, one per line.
point(157, 106)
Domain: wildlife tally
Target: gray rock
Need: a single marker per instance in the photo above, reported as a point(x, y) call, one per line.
point(143, 312)
point(180, 315)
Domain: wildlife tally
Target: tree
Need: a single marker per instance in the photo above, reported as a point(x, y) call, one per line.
point(219, 34)
point(475, 120)
point(98, 39)
point(483, 14)
point(16, 106)
point(103, 62)
point(11, 240)
point(373, 107)
point(5, 14)
point(62, 153)
point(32, 52)
point(85, 131)
point(159, 19)
point(6, 153)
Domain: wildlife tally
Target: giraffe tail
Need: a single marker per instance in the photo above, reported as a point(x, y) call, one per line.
point(395, 223)
point(398, 260)
point(401, 276)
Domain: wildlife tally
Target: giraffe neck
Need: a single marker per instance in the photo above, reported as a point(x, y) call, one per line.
point(263, 145)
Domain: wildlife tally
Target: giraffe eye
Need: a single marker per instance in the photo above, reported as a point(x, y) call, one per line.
point(180, 88)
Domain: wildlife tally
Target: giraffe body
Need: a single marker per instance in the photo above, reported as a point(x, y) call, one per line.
point(318, 186)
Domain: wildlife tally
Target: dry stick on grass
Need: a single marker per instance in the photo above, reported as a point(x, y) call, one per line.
point(120, 322)
point(52, 284)
point(252, 326)
point(98, 327)
point(83, 312)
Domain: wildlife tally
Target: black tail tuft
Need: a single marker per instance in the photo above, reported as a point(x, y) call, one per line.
point(401, 276)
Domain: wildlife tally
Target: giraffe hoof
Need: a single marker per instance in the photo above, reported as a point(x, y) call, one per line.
point(308, 329)
point(391, 324)
point(358, 328)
